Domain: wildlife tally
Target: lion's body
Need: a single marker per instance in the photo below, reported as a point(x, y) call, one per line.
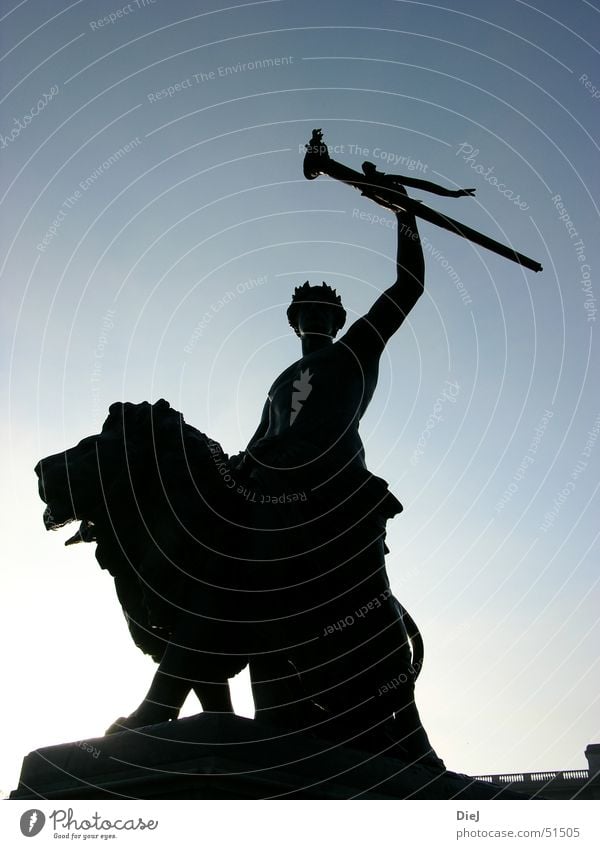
point(184, 547)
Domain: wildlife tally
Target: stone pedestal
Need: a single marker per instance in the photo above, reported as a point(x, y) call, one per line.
point(229, 757)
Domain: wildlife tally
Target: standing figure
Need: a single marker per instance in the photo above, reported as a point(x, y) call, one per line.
point(330, 619)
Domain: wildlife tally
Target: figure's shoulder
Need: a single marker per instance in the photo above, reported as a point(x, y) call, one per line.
point(363, 338)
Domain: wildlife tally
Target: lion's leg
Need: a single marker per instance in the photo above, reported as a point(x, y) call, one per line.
point(203, 674)
point(279, 697)
point(183, 669)
point(168, 692)
point(214, 696)
point(162, 702)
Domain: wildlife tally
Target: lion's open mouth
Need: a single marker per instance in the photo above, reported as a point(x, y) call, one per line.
point(60, 508)
point(52, 522)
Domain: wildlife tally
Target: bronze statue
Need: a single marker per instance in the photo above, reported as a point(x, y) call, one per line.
point(275, 556)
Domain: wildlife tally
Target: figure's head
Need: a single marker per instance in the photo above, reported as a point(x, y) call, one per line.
point(316, 309)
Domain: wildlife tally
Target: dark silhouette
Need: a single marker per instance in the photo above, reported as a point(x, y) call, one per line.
point(358, 668)
point(273, 557)
point(389, 190)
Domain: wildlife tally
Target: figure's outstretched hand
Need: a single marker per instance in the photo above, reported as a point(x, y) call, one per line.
point(463, 193)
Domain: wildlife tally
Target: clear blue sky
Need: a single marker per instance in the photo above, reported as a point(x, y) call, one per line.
point(151, 164)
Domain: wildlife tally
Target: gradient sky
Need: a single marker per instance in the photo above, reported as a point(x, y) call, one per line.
point(496, 553)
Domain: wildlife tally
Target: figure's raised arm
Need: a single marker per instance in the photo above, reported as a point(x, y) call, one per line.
point(394, 304)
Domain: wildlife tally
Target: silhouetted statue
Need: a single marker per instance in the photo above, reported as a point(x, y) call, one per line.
point(273, 557)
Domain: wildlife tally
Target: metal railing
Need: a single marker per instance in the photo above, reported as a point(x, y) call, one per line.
point(536, 777)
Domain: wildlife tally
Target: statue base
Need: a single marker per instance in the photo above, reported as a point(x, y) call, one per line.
point(211, 756)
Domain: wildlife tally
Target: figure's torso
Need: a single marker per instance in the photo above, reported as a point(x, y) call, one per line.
point(321, 398)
